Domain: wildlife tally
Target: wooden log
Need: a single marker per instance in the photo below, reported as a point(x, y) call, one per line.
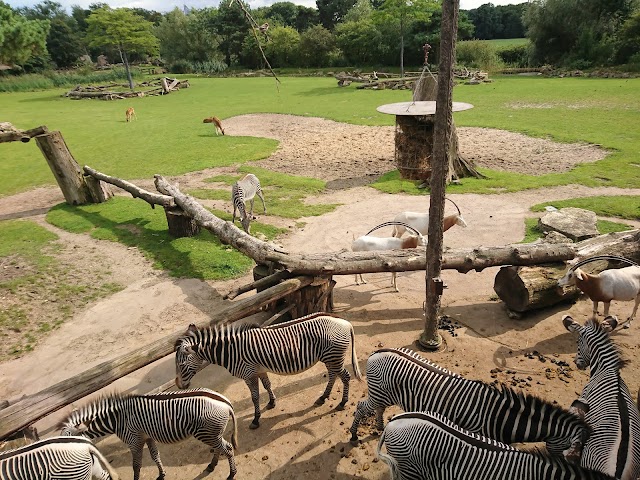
point(34, 407)
point(100, 191)
point(529, 288)
point(22, 135)
point(260, 283)
point(65, 169)
point(180, 224)
point(135, 191)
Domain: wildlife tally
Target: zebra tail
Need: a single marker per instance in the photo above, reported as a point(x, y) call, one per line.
point(354, 357)
point(105, 463)
point(389, 460)
point(234, 434)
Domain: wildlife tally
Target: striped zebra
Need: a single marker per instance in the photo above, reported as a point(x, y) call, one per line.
point(429, 446)
point(249, 352)
point(614, 445)
point(245, 190)
point(401, 377)
point(56, 458)
point(165, 417)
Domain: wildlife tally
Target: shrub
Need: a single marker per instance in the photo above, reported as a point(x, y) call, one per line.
point(180, 66)
point(516, 56)
point(478, 54)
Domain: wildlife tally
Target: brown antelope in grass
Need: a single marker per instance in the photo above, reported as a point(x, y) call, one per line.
point(130, 114)
point(216, 122)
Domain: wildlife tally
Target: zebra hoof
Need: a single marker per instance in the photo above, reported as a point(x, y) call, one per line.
point(211, 467)
point(271, 405)
point(355, 442)
point(340, 407)
point(319, 401)
point(254, 425)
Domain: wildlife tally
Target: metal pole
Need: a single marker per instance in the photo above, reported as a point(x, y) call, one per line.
point(430, 338)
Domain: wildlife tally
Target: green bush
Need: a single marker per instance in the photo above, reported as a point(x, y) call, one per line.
point(516, 56)
point(208, 67)
point(478, 54)
point(56, 79)
point(180, 66)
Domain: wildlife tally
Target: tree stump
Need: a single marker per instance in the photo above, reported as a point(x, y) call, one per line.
point(65, 169)
point(528, 288)
point(317, 297)
point(100, 191)
point(180, 224)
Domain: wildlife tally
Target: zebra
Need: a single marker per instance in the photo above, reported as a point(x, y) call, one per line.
point(614, 445)
point(71, 458)
point(164, 417)
point(429, 446)
point(401, 377)
point(246, 189)
point(249, 352)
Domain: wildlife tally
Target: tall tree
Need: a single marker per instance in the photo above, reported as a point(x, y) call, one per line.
point(359, 41)
point(307, 18)
point(401, 14)
point(332, 12)
point(282, 49)
point(232, 27)
point(122, 29)
point(283, 13)
point(20, 38)
point(316, 45)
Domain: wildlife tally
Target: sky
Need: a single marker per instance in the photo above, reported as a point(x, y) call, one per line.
point(165, 6)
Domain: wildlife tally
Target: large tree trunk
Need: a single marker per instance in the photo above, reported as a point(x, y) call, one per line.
point(529, 288)
point(64, 167)
point(425, 90)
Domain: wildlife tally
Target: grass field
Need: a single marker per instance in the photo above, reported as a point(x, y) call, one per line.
point(500, 43)
point(170, 139)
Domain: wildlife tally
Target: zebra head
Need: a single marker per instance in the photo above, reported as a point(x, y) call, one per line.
point(189, 360)
point(591, 337)
point(93, 420)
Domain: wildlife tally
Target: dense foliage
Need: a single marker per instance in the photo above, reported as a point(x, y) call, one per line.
point(337, 33)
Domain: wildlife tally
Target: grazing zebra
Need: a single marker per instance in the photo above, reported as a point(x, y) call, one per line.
point(68, 458)
point(614, 445)
point(401, 377)
point(429, 446)
point(246, 189)
point(250, 351)
point(164, 417)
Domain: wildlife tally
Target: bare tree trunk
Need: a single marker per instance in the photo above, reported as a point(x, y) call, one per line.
point(125, 60)
point(430, 337)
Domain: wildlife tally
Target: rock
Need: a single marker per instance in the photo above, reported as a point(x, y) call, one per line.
point(576, 223)
point(556, 237)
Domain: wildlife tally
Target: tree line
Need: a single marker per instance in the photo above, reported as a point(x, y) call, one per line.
point(378, 33)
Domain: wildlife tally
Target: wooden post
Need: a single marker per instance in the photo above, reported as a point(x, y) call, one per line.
point(180, 224)
point(100, 191)
point(430, 338)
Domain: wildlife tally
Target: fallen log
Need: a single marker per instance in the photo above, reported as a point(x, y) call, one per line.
point(8, 133)
point(525, 288)
point(29, 409)
point(135, 191)
point(349, 263)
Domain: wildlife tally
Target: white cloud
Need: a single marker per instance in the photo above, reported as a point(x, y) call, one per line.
point(165, 6)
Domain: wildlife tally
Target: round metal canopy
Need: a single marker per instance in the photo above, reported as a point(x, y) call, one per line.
point(418, 108)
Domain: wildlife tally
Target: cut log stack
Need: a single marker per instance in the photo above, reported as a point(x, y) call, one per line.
point(161, 86)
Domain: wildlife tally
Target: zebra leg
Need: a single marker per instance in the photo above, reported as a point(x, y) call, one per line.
point(221, 446)
point(266, 383)
point(264, 206)
point(345, 377)
point(333, 374)
point(380, 418)
point(155, 455)
point(251, 210)
point(363, 410)
point(136, 454)
point(254, 388)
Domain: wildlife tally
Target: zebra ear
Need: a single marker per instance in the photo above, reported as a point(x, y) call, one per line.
point(570, 324)
point(580, 408)
point(82, 427)
point(192, 328)
point(610, 323)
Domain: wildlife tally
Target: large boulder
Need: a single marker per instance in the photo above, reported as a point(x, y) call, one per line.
point(576, 223)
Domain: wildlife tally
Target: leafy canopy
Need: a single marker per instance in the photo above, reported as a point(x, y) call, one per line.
point(122, 29)
point(20, 39)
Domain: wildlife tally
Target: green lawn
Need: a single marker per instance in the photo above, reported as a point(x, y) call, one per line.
point(170, 138)
point(501, 43)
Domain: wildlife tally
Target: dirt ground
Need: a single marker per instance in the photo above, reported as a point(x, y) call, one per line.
point(296, 439)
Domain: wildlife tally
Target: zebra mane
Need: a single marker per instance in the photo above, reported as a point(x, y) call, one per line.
point(594, 324)
point(207, 332)
point(536, 403)
point(89, 411)
point(40, 443)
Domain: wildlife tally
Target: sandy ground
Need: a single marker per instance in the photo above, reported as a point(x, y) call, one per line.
point(296, 439)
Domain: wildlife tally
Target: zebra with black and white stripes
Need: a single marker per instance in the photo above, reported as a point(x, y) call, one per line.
point(244, 190)
point(426, 446)
point(68, 458)
point(249, 352)
point(402, 377)
point(164, 417)
point(614, 445)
